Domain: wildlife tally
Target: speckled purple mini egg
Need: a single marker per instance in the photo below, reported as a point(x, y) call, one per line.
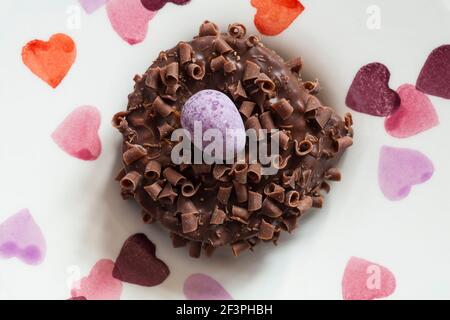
point(214, 110)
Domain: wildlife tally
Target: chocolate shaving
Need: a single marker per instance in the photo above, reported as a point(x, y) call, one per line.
point(341, 144)
point(218, 217)
point(168, 193)
point(283, 108)
point(195, 249)
point(173, 176)
point(165, 129)
point(201, 168)
point(317, 202)
point(289, 223)
point(267, 121)
point(189, 222)
point(254, 201)
point(133, 154)
point(304, 204)
point(252, 41)
point(265, 84)
point(237, 91)
point(333, 174)
point(171, 92)
point(292, 198)
point(241, 192)
point(152, 78)
point(313, 87)
point(288, 178)
point(178, 241)
point(153, 190)
point(162, 108)
point(208, 29)
point(302, 148)
point(254, 124)
point(221, 173)
point(120, 175)
point(131, 181)
point(237, 30)
point(247, 108)
point(325, 187)
point(119, 121)
point(240, 214)
point(240, 172)
point(239, 247)
point(274, 191)
point(283, 140)
point(266, 230)
point(153, 170)
point(222, 46)
point(148, 217)
point(281, 162)
point(270, 209)
point(188, 190)
point(229, 67)
point(252, 71)
point(184, 205)
point(169, 74)
point(295, 65)
point(223, 195)
point(195, 71)
point(185, 53)
point(254, 173)
point(217, 63)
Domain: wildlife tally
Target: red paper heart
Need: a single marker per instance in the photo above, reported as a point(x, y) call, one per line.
point(274, 16)
point(50, 60)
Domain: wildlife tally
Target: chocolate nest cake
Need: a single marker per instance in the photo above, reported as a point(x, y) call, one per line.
point(209, 206)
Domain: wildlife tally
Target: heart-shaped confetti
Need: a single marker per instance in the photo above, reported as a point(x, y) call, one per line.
point(434, 79)
point(99, 284)
point(78, 133)
point(415, 114)
point(370, 92)
point(274, 16)
point(365, 280)
point(137, 263)
point(202, 287)
point(155, 5)
point(129, 18)
point(50, 60)
point(91, 5)
point(21, 237)
point(400, 169)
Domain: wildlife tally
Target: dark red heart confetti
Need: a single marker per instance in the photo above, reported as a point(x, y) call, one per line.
point(137, 263)
point(434, 79)
point(370, 92)
point(155, 5)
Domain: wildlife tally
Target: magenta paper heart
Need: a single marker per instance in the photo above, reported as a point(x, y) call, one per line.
point(155, 5)
point(21, 237)
point(99, 284)
point(370, 93)
point(78, 133)
point(400, 169)
point(129, 18)
point(415, 114)
point(202, 287)
point(91, 5)
point(434, 79)
point(365, 280)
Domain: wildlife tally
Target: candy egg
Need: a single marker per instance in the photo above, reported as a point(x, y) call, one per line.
point(214, 110)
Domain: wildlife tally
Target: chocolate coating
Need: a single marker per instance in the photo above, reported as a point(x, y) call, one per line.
point(212, 206)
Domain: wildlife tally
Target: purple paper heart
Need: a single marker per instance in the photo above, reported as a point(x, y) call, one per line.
point(202, 287)
point(21, 237)
point(400, 169)
point(155, 5)
point(91, 5)
point(434, 79)
point(370, 92)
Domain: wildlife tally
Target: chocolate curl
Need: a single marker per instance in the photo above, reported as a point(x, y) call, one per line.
point(148, 217)
point(171, 92)
point(275, 192)
point(266, 230)
point(133, 154)
point(201, 168)
point(195, 71)
point(178, 241)
point(173, 176)
point(302, 148)
point(254, 173)
point(120, 174)
point(222, 46)
point(152, 78)
point(304, 204)
point(189, 222)
point(289, 223)
point(312, 103)
point(218, 217)
point(305, 178)
point(267, 121)
point(283, 140)
point(221, 173)
point(313, 87)
point(240, 214)
point(252, 71)
point(229, 67)
point(288, 178)
point(237, 30)
point(253, 242)
point(188, 190)
point(317, 202)
point(252, 41)
point(169, 74)
point(247, 108)
point(223, 195)
point(253, 123)
point(254, 201)
point(348, 120)
point(119, 120)
point(184, 205)
point(237, 91)
point(342, 143)
point(195, 249)
point(153, 190)
point(220, 237)
point(323, 115)
point(283, 108)
point(333, 174)
point(295, 65)
point(153, 170)
point(270, 209)
point(240, 172)
point(265, 84)
point(185, 53)
point(239, 247)
point(131, 181)
point(209, 249)
point(168, 193)
point(240, 191)
point(165, 129)
point(292, 199)
point(325, 187)
point(217, 63)
point(161, 107)
point(281, 162)
point(208, 29)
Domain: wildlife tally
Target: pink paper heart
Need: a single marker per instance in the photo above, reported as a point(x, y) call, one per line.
point(91, 5)
point(434, 78)
point(415, 114)
point(21, 237)
point(99, 284)
point(202, 287)
point(400, 169)
point(155, 5)
point(370, 93)
point(129, 18)
point(78, 133)
point(365, 280)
